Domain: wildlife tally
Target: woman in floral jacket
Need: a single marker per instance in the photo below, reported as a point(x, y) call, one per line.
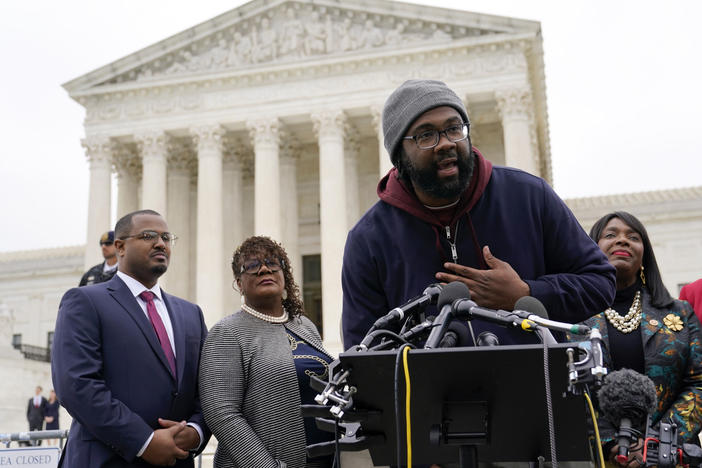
point(648, 331)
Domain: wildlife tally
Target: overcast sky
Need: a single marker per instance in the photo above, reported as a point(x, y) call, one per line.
point(622, 77)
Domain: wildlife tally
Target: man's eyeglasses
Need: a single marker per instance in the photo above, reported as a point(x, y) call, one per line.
point(430, 138)
point(108, 243)
point(152, 236)
point(254, 266)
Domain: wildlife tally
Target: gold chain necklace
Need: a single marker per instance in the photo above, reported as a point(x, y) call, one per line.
point(265, 317)
point(631, 320)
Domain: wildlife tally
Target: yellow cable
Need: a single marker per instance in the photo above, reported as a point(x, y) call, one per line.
point(405, 352)
point(597, 432)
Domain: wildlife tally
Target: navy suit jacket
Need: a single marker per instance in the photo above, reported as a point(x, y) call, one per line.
point(111, 374)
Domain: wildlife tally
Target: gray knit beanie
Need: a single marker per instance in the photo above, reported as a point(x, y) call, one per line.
point(409, 101)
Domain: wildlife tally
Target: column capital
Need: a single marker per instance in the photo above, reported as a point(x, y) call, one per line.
point(181, 157)
point(352, 142)
point(289, 147)
point(264, 131)
point(233, 153)
point(329, 123)
point(98, 149)
point(151, 144)
point(207, 138)
point(126, 161)
point(376, 111)
point(514, 103)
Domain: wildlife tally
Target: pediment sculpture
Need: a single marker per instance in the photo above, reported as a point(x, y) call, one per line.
point(293, 32)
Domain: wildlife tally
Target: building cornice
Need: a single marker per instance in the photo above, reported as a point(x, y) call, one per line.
point(637, 198)
point(42, 254)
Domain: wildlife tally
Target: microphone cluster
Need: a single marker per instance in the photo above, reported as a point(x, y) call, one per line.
point(455, 307)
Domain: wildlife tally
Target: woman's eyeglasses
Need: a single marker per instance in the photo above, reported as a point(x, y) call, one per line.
point(254, 266)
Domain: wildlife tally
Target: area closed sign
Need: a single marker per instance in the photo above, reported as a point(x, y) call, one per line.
point(35, 457)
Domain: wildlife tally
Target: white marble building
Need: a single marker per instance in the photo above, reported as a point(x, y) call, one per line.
point(265, 120)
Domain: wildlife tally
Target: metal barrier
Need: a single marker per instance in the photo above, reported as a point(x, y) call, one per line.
point(61, 434)
point(33, 436)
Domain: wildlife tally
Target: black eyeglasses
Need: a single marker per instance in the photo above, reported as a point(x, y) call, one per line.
point(152, 236)
point(430, 138)
point(106, 243)
point(254, 266)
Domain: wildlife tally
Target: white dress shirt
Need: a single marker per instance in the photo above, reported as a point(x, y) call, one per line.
point(137, 288)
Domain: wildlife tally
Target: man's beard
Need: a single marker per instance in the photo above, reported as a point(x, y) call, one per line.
point(159, 269)
point(428, 181)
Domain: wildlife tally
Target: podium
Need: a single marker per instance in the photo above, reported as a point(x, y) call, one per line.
point(488, 400)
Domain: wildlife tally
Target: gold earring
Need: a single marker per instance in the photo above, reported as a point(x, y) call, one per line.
point(243, 299)
point(643, 278)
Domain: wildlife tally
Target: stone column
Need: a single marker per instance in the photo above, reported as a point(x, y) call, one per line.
point(99, 153)
point(152, 146)
point(384, 162)
point(232, 219)
point(127, 165)
point(516, 111)
point(209, 286)
point(329, 127)
point(180, 161)
point(289, 215)
point(351, 150)
point(264, 136)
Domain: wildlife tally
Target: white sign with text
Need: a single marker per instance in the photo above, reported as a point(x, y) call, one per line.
point(34, 457)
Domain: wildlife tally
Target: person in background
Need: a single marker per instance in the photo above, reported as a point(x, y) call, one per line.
point(106, 270)
point(51, 415)
point(648, 331)
point(36, 410)
point(257, 364)
point(692, 293)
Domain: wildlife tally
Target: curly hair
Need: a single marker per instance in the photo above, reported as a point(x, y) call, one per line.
point(262, 246)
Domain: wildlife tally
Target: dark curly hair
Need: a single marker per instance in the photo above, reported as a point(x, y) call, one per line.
point(660, 297)
point(262, 246)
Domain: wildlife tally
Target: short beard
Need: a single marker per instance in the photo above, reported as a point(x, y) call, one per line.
point(159, 270)
point(427, 180)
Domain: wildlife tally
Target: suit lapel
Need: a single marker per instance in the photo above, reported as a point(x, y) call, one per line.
point(121, 293)
point(175, 312)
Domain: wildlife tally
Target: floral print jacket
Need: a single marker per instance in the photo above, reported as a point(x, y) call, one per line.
point(672, 343)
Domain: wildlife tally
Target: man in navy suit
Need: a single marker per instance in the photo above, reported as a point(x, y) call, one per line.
point(125, 360)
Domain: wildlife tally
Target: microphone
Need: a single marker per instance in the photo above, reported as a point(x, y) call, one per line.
point(465, 309)
point(451, 292)
point(428, 296)
point(456, 335)
point(626, 398)
point(531, 308)
point(537, 311)
point(487, 338)
point(418, 329)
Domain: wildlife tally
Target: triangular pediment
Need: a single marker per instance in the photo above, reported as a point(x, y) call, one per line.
point(269, 33)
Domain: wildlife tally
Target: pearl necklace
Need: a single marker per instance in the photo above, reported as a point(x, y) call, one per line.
point(631, 320)
point(265, 317)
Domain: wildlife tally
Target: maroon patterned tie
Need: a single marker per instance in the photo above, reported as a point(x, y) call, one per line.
point(157, 323)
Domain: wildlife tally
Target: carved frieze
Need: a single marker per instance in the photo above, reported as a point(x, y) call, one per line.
point(294, 31)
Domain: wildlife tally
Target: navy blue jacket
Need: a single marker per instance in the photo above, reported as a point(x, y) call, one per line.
point(392, 255)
